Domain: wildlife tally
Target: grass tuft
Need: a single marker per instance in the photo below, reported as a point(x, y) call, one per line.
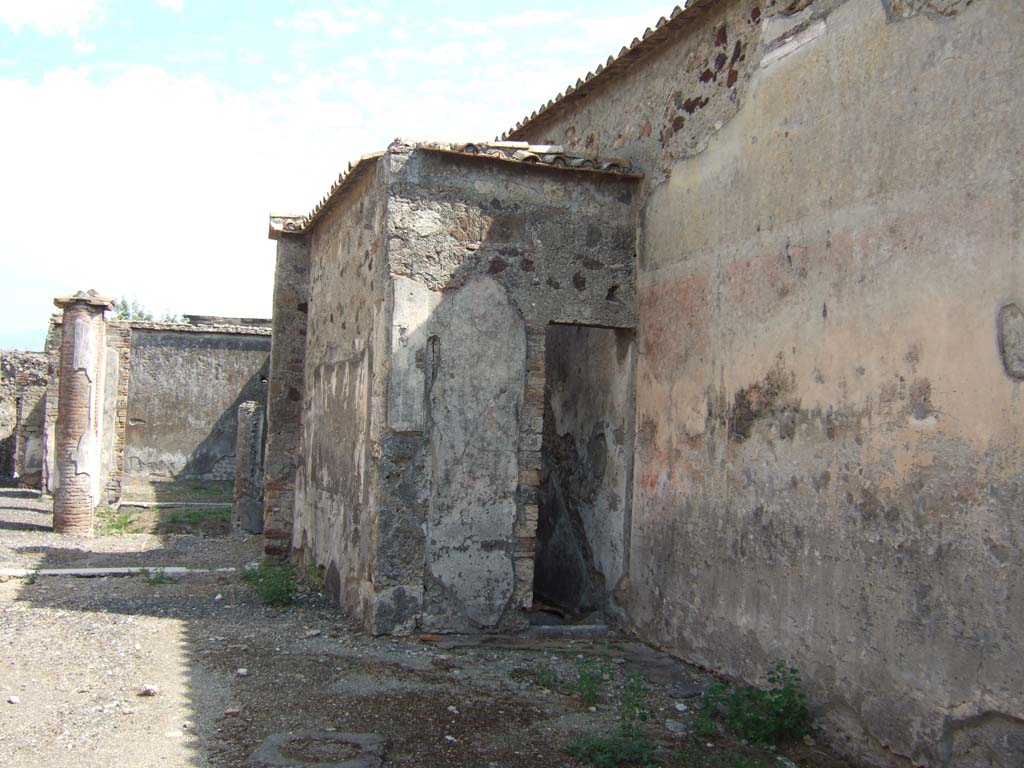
point(274, 582)
point(761, 716)
point(618, 749)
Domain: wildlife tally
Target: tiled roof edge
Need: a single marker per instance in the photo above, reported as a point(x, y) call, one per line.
point(615, 65)
point(549, 155)
point(296, 225)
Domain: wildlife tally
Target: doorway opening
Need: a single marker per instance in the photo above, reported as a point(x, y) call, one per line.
point(582, 549)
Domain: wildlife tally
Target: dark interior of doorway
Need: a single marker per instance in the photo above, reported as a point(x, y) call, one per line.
point(586, 467)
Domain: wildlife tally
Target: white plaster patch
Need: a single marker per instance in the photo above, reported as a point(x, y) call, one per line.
point(797, 41)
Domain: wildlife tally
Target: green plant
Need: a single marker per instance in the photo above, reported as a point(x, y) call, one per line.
point(274, 582)
point(548, 678)
point(633, 707)
point(761, 716)
point(611, 751)
point(590, 680)
point(29, 580)
point(110, 522)
point(157, 576)
point(196, 517)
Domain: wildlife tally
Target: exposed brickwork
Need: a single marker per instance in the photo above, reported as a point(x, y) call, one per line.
point(78, 417)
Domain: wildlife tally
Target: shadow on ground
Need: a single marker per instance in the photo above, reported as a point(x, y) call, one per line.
point(230, 672)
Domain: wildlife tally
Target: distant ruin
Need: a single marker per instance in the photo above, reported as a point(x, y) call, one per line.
point(723, 341)
point(159, 401)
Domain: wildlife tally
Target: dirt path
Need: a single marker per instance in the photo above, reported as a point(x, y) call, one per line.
point(75, 654)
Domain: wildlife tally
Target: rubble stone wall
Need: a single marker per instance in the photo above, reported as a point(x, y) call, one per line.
point(338, 479)
point(22, 391)
point(485, 255)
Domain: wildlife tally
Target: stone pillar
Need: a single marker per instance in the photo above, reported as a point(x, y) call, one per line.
point(531, 432)
point(77, 440)
point(247, 510)
point(284, 392)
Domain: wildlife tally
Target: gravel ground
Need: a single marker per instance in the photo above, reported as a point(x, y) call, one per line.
point(228, 672)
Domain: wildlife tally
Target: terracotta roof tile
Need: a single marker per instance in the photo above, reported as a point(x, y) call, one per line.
point(554, 156)
point(651, 39)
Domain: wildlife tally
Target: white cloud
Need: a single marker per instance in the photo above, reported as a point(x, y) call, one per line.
point(163, 188)
point(177, 6)
point(50, 17)
point(531, 19)
point(318, 21)
point(343, 21)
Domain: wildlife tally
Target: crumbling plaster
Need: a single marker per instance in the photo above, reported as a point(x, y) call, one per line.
point(829, 463)
point(432, 280)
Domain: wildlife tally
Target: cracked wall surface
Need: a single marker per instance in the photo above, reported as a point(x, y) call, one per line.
point(829, 465)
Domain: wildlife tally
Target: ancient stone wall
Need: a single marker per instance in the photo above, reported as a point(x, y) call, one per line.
point(684, 86)
point(184, 387)
point(485, 255)
point(247, 507)
point(51, 349)
point(337, 485)
point(829, 463)
point(284, 392)
point(23, 377)
point(433, 278)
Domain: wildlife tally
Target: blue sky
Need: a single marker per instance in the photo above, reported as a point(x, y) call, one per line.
point(145, 142)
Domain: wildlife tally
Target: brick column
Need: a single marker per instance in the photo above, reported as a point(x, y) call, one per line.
point(77, 444)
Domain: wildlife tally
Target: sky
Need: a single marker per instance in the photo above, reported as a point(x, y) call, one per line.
point(143, 143)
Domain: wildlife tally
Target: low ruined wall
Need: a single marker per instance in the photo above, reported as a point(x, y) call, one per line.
point(829, 464)
point(184, 389)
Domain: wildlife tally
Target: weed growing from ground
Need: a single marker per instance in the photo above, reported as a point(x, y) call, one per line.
point(196, 517)
point(274, 582)
point(548, 678)
point(625, 747)
point(109, 522)
point(612, 751)
point(590, 680)
point(633, 707)
point(29, 580)
point(157, 576)
point(761, 716)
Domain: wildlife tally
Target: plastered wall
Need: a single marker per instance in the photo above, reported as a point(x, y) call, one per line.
point(184, 389)
point(829, 465)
